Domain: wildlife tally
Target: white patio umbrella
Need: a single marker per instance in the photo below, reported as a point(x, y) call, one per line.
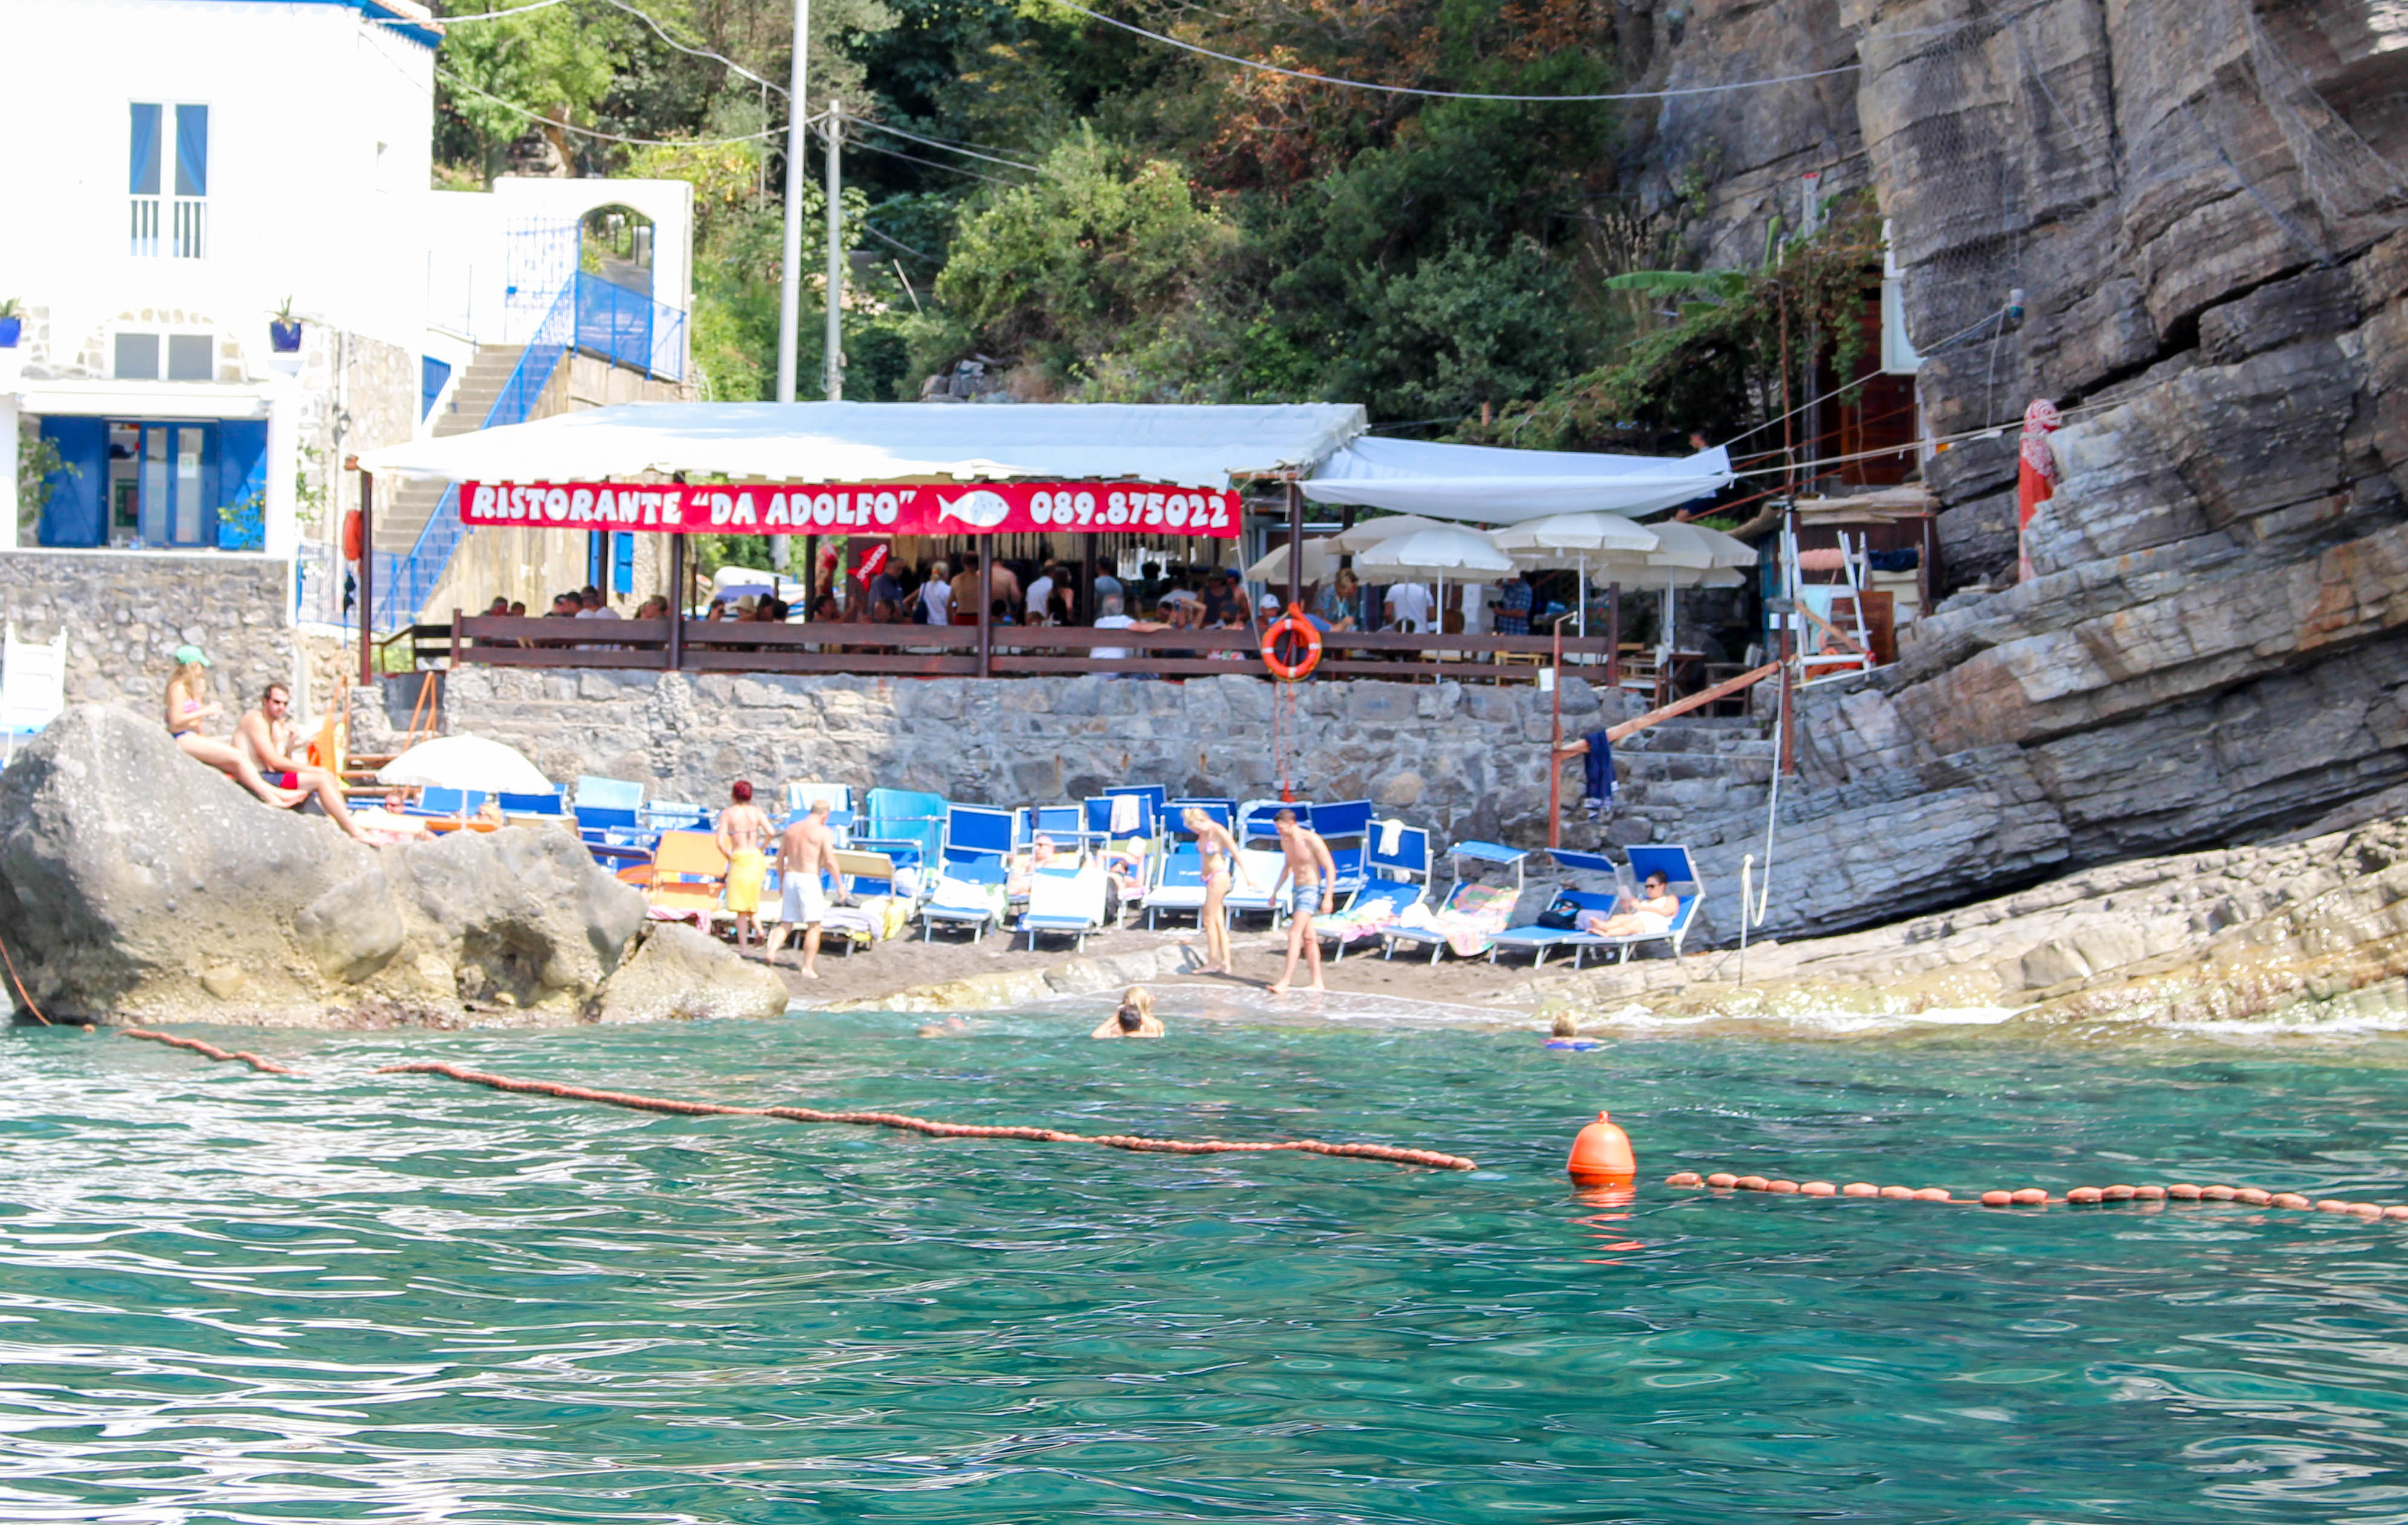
point(465, 762)
point(1680, 543)
point(1319, 561)
point(1434, 552)
point(1370, 532)
point(1570, 539)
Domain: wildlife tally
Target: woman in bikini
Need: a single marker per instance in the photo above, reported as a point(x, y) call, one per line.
point(188, 704)
point(1217, 854)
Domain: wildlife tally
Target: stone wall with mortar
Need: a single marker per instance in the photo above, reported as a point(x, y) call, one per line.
point(126, 612)
point(1467, 760)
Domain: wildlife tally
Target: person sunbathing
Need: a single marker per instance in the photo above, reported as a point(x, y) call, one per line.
point(187, 704)
point(265, 736)
point(1650, 915)
point(1018, 880)
point(1134, 1019)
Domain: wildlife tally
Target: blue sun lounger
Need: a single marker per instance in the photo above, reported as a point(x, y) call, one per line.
point(971, 869)
point(1461, 896)
point(1572, 903)
point(1066, 900)
point(1399, 880)
point(1673, 862)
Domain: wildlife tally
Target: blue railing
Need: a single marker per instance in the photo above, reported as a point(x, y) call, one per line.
point(591, 314)
point(405, 582)
point(629, 327)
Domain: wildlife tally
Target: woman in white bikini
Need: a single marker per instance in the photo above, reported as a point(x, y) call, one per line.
point(1651, 916)
point(187, 703)
point(1217, 854)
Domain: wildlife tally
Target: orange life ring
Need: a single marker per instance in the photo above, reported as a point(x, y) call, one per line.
point(1292, 623)
point(352, 536)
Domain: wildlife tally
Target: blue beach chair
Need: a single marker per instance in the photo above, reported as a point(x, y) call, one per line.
point(1399, 880)
point(1466, 900)
point(1680, 871)
point(1573, 904)
point(1070, 902)
point(909, 824)
point(801, 796)
point(1345, 827)
point(608, 793)
point(972, 868)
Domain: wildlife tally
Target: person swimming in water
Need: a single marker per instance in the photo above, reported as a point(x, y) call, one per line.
point(187, 704)
point(1135, 1018)
point(1216, 853)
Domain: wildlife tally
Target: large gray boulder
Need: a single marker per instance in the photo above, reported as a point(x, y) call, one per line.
point(136, 885)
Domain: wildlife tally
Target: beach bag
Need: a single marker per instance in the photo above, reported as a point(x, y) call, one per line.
point(1561, 916)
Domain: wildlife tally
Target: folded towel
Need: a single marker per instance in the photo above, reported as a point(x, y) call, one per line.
point(1124, 814)
point(1392, 838)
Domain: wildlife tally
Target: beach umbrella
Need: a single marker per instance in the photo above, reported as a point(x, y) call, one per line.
point(465, 762)
point(1370, 532)
point(1680, 543)
point(1435, 552)
point(1570, 539)
point(1319, 561)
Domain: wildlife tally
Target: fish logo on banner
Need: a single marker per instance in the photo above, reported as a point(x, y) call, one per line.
point(873, 561)
point(980, 510)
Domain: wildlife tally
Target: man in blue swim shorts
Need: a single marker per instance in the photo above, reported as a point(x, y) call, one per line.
point(1307, 874)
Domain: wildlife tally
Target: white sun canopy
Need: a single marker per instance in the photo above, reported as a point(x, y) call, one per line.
point(1488, 485)
point(1186, 445)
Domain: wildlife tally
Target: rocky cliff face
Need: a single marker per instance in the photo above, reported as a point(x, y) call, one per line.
point(2201, 203)
point(136, 885)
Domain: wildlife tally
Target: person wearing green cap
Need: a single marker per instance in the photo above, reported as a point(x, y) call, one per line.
point(188, 704)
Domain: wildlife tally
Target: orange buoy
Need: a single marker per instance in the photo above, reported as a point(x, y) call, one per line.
point(1998, 1198)
point(1601, 1155)
point(2118, 1194)
point(2291, 1199)
point(2086, 1194)
point(2216, 1194)
point(2365, 1210)
point(1685, 1178)
point(1785, 1189)
point(2149, 1194)
point(2396, 1211)
point(1817, 1188)
point(1751, 1182)
point(2030, 1196)
point(1897, 1194)
point(1860, 1188)
point(1722, 1179)
point(2182, 1191)
point(353, 534)
point(1932, 1194)
point(2332, 1204)
point(2254, 1196)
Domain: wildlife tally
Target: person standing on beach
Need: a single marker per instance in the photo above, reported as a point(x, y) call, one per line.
point(1216, 853)
point(806, 852)
point(1309, 873)
point(743, 834)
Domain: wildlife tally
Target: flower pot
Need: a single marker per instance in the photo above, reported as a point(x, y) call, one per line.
point(9, 329)
point(284, 335)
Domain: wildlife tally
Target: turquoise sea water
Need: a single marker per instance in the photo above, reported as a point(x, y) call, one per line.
point(225, 1297)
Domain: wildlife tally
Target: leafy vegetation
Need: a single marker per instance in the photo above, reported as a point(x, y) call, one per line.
point(1103, 217)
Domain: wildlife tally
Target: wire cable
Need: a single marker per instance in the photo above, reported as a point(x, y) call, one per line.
point(471, 16)
point(956, 169)
point(697, 52)
point(951, 148)
point(1451, 95)
point(596, 132)
point(916, 253)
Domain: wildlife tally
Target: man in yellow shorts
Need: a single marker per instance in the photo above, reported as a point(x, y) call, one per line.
point(743, 833)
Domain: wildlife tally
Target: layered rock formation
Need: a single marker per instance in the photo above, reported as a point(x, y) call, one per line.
point(2200, 204)
point(136, 885)
point(2295, 935)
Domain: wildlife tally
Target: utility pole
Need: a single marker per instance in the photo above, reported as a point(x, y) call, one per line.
point(834, 250)
point(790, 269)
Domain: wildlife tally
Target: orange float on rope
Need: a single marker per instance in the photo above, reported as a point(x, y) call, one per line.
point(1292, 625)
point(1601, 1155)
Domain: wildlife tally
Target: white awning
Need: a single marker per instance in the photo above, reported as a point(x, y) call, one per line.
point(1488, 485)
point(1187, 445)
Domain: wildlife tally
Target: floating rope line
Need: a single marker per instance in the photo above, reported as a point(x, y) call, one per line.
point(210, 1051)
point(2180, 1192)
point(922, 1125)
point(20, 983)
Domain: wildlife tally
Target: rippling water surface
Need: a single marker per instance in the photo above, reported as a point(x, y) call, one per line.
point(230, 1298)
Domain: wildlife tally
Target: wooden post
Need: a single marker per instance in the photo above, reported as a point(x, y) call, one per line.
point(367, 577)
point(455, 638)
point(986, 613)
point(1094, 570)
point(1787, 722)
point(1556, 751)
point(676, 655)
point(810, 576)
point(1295, 543)
point(1613, 635)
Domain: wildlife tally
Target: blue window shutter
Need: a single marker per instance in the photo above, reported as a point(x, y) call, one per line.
point(242, 484)
point(142, 173)
point(191, 150)
point(75, 512)
point(623, 562)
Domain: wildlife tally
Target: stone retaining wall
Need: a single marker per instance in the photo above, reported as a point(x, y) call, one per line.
point(1467, 760)
point(126, 612)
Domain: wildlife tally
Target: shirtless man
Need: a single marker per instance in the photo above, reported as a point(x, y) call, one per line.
point(1308, 872)
point(743, 836)
point(265, 736)
point(807, 851)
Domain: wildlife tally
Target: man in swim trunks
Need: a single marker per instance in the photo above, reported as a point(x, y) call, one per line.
point(1308, 872)
point(807, 851)
point(265, 736)
point(743, 834)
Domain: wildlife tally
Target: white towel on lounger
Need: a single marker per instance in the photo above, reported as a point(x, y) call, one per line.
point(1392, 838)
point(1124, 808)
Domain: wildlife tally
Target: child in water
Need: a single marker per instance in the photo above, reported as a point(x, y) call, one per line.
point(1135, 1019)
point(1565, 1033)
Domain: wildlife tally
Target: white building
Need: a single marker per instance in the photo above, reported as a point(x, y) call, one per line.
point(232, 157)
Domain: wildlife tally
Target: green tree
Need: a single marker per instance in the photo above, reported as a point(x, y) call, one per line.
point(552, 63)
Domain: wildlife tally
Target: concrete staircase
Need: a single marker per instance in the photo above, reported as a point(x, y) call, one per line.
point(1692, 779)
point(403, 512)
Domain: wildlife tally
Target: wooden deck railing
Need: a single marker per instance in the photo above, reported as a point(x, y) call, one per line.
point(955, 651)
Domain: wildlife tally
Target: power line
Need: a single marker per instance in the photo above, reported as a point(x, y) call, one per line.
point(697, 52)
point(1450, 95)
point(916, 253)
point(941, 143)
point(459, 84)
point(955, 169)
point(474, 15)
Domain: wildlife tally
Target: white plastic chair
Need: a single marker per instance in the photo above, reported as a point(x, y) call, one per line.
point(33, 687)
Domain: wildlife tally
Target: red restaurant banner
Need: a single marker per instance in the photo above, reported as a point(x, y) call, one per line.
point(995, 508)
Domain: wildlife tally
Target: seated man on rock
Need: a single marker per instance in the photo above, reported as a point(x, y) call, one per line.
point(265, 736)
